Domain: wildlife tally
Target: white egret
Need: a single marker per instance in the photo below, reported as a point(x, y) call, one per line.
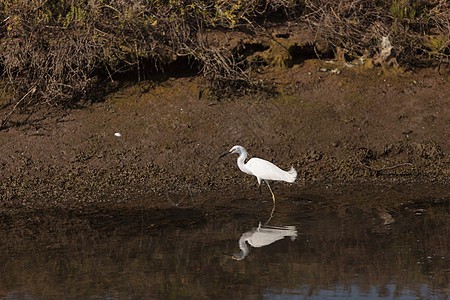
point(263, 236)
point(262, 169)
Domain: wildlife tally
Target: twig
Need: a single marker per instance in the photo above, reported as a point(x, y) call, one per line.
point(382, 169)
point(31, 91)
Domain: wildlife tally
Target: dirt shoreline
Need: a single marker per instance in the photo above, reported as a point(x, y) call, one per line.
point(364, 125)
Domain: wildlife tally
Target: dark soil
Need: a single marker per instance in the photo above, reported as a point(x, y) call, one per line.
point(360, 124)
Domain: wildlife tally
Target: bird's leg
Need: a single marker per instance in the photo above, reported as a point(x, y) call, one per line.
point(260, 192)
point(271, 215)
point(273, 196)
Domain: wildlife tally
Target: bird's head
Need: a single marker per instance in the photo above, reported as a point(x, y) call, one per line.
point(239, 256)
point(235, 149)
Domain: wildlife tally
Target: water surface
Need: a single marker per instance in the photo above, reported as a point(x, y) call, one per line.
point(342, 252)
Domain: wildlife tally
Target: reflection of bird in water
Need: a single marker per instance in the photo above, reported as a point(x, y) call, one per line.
point(263, 236)
point(262, 169)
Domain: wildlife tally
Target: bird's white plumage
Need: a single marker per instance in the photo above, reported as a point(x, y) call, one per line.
point(263, 236)
point(266, 170)
point(266, 235)
point(262, 169)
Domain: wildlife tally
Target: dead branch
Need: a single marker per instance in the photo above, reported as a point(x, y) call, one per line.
point(30, 92)
point(379, 169)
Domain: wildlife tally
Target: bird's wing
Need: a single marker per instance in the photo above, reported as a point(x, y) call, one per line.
point(261, 239)
point(266, 170)
point(267, 235)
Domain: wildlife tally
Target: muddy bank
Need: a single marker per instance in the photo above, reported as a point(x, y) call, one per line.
point(361, 125)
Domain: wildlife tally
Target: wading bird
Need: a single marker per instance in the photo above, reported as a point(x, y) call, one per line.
point(263, 236)
point(262, 169)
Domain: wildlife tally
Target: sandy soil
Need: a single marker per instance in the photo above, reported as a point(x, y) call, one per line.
point(362, 125)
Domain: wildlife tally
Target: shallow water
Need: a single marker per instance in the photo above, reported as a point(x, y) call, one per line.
point(338, 253)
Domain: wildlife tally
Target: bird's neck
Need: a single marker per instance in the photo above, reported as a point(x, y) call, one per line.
point(241, 163)
point(244, 248)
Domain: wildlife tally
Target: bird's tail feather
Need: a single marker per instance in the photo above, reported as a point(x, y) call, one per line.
point(291, 175)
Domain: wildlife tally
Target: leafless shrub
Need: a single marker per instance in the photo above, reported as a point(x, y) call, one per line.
point(56, 59)
point(351, 25)
point(58, 65)
point(357, 27)
point(60, 47)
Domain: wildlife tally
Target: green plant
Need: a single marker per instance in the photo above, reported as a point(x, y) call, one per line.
point(403, 9)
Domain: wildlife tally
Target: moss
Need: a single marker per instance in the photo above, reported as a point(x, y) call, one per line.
point(437, 44)
point(278, 55)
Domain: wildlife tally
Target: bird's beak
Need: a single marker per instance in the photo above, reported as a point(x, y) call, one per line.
point(233, 256)
point(225, 154)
